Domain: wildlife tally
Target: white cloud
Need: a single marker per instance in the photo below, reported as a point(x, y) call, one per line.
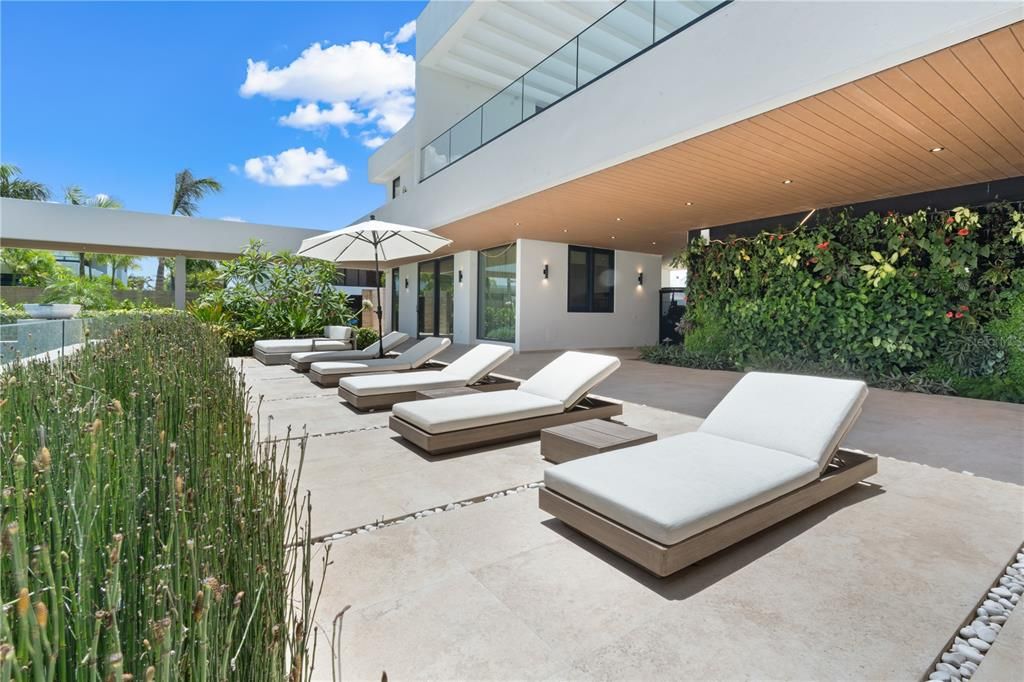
point(374, 142)
point(232, 219)
point(312, 117)
point(359, 84)
point(404, 34)
point(233, 168)
point(296, 167)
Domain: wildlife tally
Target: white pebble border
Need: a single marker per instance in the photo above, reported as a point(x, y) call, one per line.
point(422, 514)
point(975, 638)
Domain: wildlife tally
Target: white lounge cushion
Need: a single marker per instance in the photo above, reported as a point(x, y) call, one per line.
point(391, 340)
point(299, 345)
point(802, 415)
point(570, 376)
point(382, 384)
point(477, 362)
point(340, 332)
point(469, 411)
point(410, 359)
point(359, 367)
point(672, 489)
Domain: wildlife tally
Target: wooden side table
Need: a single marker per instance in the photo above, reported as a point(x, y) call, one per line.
point(444, 392)
point(571, 441)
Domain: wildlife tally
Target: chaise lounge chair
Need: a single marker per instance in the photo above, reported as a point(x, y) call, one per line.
point(472, 369)
point(300, 362)
point(770, 449)
point(279, 351)
point(557, 394)
point(328, 373)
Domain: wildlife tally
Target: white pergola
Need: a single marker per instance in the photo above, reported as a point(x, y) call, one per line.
point(62, 227)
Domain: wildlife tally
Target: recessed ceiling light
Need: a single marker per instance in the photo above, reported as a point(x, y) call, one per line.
point(613, 236)
point(517, 224)
point(565, 230)
point(653, 243)
point(689, 203)
point(618, 220)
point(936, 149)
point(787, 182)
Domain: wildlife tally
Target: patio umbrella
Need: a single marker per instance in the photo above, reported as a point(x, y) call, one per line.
point(373, 240)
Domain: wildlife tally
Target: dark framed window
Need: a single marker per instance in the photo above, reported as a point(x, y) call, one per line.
point(396, 187)
point(591, 280)
point(350, 277)
point(496, 297)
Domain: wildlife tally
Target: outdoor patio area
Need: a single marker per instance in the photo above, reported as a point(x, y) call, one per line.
point(871, 584)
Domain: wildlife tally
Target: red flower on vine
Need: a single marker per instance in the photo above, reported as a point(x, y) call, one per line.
point(780, 237)
point(949, 313)
point(959, 315)
point(823, 245)
point(964, 308)
point(963, 232)
point(949, 220)
point(771, 237)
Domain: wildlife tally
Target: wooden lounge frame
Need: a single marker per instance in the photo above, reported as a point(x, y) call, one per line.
point(331, 380)
point(844, 471)
point(491, 382)
point(590, 407)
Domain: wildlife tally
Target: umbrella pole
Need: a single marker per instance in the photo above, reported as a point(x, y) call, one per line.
point(380, 310)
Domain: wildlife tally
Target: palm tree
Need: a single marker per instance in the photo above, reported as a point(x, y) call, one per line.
point(14, 187)
point(75, 195)
point(188, 192)
point(120, 262)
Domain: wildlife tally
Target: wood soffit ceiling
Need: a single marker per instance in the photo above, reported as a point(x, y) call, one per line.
point(868, 139)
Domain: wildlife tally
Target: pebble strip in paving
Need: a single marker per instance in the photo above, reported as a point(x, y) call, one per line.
point(423, 513)
point(975, 638)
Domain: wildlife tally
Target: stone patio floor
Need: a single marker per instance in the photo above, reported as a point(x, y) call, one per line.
point(869, 585)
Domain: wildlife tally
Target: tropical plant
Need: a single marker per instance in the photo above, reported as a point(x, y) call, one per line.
point(188, 192)
point(90, 294)
point(148, 533)
point(921, 295)
point(14, 187)
point(273, 296)
point(29, 267)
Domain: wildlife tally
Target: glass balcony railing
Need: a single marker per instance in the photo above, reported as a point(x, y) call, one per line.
point(625, 31)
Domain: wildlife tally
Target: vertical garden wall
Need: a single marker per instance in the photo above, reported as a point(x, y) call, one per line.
point(929, 301)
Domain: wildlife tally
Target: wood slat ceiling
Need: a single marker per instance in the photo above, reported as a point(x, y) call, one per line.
point(865, 140)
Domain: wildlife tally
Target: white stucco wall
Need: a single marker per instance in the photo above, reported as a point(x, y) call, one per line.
point(747, 58)
point(542, 322)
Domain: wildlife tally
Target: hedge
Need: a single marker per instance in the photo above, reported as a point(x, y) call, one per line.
point(928, 301)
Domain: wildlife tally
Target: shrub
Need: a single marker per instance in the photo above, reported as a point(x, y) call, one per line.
point(279, 295)
point(366, 336)
point(146, 531)
point(10, 314)
point(681, 357)
point(927, 296)
point(90, 294)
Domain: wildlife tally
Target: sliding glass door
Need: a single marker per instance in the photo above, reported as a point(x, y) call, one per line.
point(496, 300)
point(436, 305)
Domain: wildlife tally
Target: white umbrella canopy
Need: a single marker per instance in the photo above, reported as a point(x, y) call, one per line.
point(374, 240)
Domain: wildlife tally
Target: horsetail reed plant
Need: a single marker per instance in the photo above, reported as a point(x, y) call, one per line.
point(148, 532)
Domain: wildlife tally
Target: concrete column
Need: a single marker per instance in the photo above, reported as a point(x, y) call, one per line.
point(179, 282)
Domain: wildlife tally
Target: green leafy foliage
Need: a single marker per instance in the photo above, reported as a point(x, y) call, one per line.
point(90, 294)
point(148, 533)
point(29, 267)
point(366, 336)
point(269, 296)
point(920, 300)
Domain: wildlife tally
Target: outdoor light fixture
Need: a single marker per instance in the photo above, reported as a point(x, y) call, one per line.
point(406, 282)
point(936, 149)
point(545, 271)
point(640, 280)
point(460, 276)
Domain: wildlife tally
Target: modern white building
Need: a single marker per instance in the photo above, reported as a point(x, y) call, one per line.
point(570, 148)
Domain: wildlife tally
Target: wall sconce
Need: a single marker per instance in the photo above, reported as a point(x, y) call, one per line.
point(545, 271)
point(640, 280)
point(407, 283)
point(460, 276)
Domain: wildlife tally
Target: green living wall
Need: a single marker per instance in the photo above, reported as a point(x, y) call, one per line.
point(928, 301)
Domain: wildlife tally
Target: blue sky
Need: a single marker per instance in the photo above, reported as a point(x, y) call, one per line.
point(118, 97)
